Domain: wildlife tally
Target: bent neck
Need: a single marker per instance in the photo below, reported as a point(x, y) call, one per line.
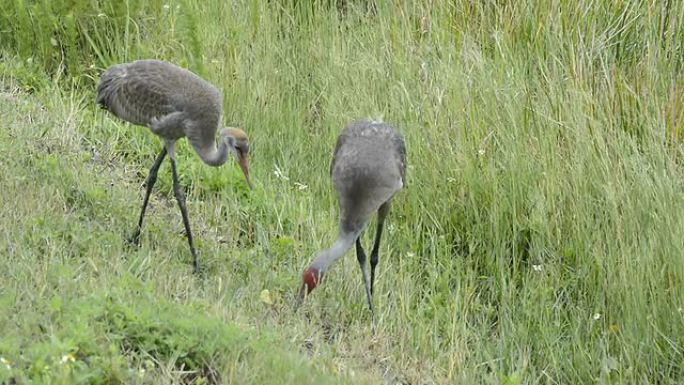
point(327, 257)
point(213, 155)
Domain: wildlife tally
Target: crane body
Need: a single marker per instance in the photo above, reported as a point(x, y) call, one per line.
point(368, 169)
point(173, 103)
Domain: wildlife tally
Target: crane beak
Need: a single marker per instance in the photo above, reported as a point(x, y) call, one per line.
point(244, 165)
point(300, 297)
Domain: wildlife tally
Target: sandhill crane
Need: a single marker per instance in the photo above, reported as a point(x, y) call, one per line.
point(368, 168)
point(174, 103)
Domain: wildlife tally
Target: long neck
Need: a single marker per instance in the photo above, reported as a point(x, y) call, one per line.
point(211, 154)
point(327, 257)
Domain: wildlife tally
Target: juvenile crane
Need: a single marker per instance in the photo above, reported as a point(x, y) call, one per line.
point(173, 103)
point(368, 169)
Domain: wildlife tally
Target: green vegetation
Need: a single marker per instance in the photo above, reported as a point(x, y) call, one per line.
point(539, 239)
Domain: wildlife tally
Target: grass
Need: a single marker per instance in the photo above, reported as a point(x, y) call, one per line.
point(538, 239)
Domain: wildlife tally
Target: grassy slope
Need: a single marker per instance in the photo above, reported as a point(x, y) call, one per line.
point(538, 240)
point(71, 289)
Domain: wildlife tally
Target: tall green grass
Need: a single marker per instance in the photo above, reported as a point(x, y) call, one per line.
point(538, 239)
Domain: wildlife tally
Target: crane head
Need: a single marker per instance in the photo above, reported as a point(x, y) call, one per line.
point(240, 146)
point(310, 279)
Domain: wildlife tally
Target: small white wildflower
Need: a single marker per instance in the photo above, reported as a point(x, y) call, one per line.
point(301, 186)
point(69, 357)
point(481, 152)
point(537, 268)
point(265, 297)
point(597, 316)
point(410, 254)
point(166, 6)
point(424, 76)
point(6, 362)
point(279, 174)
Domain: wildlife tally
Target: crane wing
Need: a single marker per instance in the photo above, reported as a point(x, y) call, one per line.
point(135, 92)
point(338, 145)
point(400, 147)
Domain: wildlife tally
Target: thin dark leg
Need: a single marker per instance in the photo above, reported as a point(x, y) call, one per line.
point(149, 182)
point(361, 256)
point(180, 197)
point(382, 213)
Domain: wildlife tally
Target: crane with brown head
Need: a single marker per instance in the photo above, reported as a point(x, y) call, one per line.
point(173, 103)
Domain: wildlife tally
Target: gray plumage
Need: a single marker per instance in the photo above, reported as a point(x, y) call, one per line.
point(174, 103)
point(146, 89)
point(368, 169)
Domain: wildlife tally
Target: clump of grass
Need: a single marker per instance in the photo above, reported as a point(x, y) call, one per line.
point(74, 39)
point(116, 338)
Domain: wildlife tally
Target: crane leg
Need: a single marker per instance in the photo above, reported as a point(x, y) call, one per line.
point(382, 213)
point(361, 256)
point(149, 182)
point(180, 197)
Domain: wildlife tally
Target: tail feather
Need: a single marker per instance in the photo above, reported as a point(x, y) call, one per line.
point(108, 86)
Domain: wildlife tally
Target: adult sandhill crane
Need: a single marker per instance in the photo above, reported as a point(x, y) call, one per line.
point(174, 103)
point(368, 168)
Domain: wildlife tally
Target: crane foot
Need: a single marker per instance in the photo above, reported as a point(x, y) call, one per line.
point(134, 240)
